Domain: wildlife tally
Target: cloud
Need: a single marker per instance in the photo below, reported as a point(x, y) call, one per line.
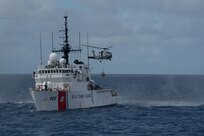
point(161, 18)
point(25, 8)
point(143, 32)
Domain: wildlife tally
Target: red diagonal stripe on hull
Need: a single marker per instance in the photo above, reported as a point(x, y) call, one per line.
point(61, 100)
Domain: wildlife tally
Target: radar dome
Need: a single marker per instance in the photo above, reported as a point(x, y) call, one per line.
point(62, 61)
point(53, 57)
point(49, 63)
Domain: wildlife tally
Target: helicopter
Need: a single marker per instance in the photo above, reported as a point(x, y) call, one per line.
point(102, 55)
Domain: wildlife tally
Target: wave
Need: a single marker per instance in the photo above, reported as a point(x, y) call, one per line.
point(160, 103)
point(16, 102)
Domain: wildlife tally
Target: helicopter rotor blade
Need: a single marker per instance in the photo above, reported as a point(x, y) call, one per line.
point(108, 48)
point(91, 46)
point(97, 47)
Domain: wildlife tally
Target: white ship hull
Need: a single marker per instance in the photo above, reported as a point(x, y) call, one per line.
point(65, 100)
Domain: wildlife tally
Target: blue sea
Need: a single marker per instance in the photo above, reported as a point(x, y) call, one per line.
point(149, 105)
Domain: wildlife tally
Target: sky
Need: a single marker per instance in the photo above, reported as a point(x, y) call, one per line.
point(148, 37)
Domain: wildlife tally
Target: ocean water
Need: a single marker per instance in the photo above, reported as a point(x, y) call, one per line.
point(154, 105)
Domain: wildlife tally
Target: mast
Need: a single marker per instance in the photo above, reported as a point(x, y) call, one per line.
point(80, 44)
point(40, 50)
point(52, 42)
point(65, 45)
point(66, 48)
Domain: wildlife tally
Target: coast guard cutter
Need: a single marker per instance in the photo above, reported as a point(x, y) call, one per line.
point(62, 86)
